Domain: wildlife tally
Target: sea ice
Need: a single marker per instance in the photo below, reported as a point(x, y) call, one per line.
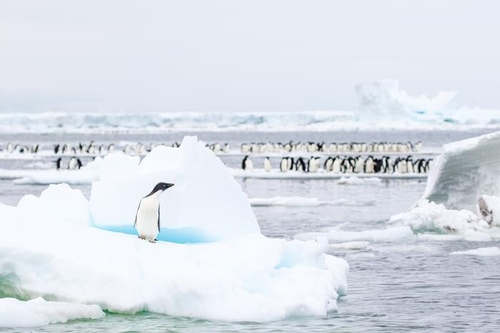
point(38, 312)
point(483, 251)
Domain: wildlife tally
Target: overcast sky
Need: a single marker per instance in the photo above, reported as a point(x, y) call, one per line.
point(235, 55)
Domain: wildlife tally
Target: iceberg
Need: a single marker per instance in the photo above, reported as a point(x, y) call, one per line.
point(213, 262)
point(384, 99)
point(462, 191)
point(464, 171)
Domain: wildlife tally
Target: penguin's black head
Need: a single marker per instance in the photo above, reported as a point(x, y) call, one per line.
point(161, 187)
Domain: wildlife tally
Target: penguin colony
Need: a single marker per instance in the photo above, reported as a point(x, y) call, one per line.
point(347, 164)
point(333, 147)
point(94, 149)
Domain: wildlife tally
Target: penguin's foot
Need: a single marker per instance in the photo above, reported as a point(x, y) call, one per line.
point(152, 241)
point(141, 237)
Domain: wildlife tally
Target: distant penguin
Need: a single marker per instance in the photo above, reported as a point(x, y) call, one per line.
point(337, 164)
point(328, 165)
point(359, 165)
point(284, 164)
point(313, 164)
point(147, 218)
point(58, 163)
point(300, 165)
point(247, 164)
point(56, 148)
point(267, 164)
point(484, 210)
point(111, 148)
point(369, 165)
point(73, 163)
point(291, 163)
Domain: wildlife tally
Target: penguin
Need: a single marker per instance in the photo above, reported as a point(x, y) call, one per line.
point(337, 164)
point(247, 164)
point(267, 164)
point(313, 164)
point(291, 163)
point(245, 148)
point(58, 163)
point(284, 164)
point(300, 165)
point(147, 217)
point(484, 210)
point(111, 148)
point(328, 165)
point(73, 163)
point(359, 165)
point(369, 165)
point(226, 148)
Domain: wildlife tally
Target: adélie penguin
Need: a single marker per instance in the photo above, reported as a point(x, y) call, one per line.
point(147, 218)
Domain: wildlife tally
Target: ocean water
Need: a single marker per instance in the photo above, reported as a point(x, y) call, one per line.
point(395, 285)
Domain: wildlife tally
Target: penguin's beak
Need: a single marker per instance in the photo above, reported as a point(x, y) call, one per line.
point(169, 185)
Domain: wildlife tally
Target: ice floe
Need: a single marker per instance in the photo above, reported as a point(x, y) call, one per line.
point(483, 251)
point(39, 312)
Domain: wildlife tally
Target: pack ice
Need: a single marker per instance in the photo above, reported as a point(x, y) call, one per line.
point(214, 264)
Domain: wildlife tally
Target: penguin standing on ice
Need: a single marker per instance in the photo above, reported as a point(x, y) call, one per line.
point(267, 164)
point(247, 164)
point(147, 218)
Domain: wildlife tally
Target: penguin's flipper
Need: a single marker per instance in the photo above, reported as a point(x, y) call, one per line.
point(135, 221)
point(158, 218)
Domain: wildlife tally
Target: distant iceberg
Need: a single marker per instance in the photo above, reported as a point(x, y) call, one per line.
point(383, 99)
point(213, 263)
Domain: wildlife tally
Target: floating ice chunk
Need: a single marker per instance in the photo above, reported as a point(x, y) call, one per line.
point(350, 245)
point(358, 181)
point(205, 197)
point(38, 312)
point(286, 201)
point(483, 251)
point(244, 278)
point(429, 216)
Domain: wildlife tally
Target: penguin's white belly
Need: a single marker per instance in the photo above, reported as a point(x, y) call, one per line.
point(147, 218)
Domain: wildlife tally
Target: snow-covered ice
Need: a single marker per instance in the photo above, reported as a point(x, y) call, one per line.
point(39, 312)
point(55, 246)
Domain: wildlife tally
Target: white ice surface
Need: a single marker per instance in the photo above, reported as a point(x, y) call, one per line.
point(53, 247)
point(483, 251)
point(38, 312)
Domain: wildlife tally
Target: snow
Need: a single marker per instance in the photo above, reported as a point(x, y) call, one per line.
point(39, 312)
point(483, 251)
point(217, 265)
